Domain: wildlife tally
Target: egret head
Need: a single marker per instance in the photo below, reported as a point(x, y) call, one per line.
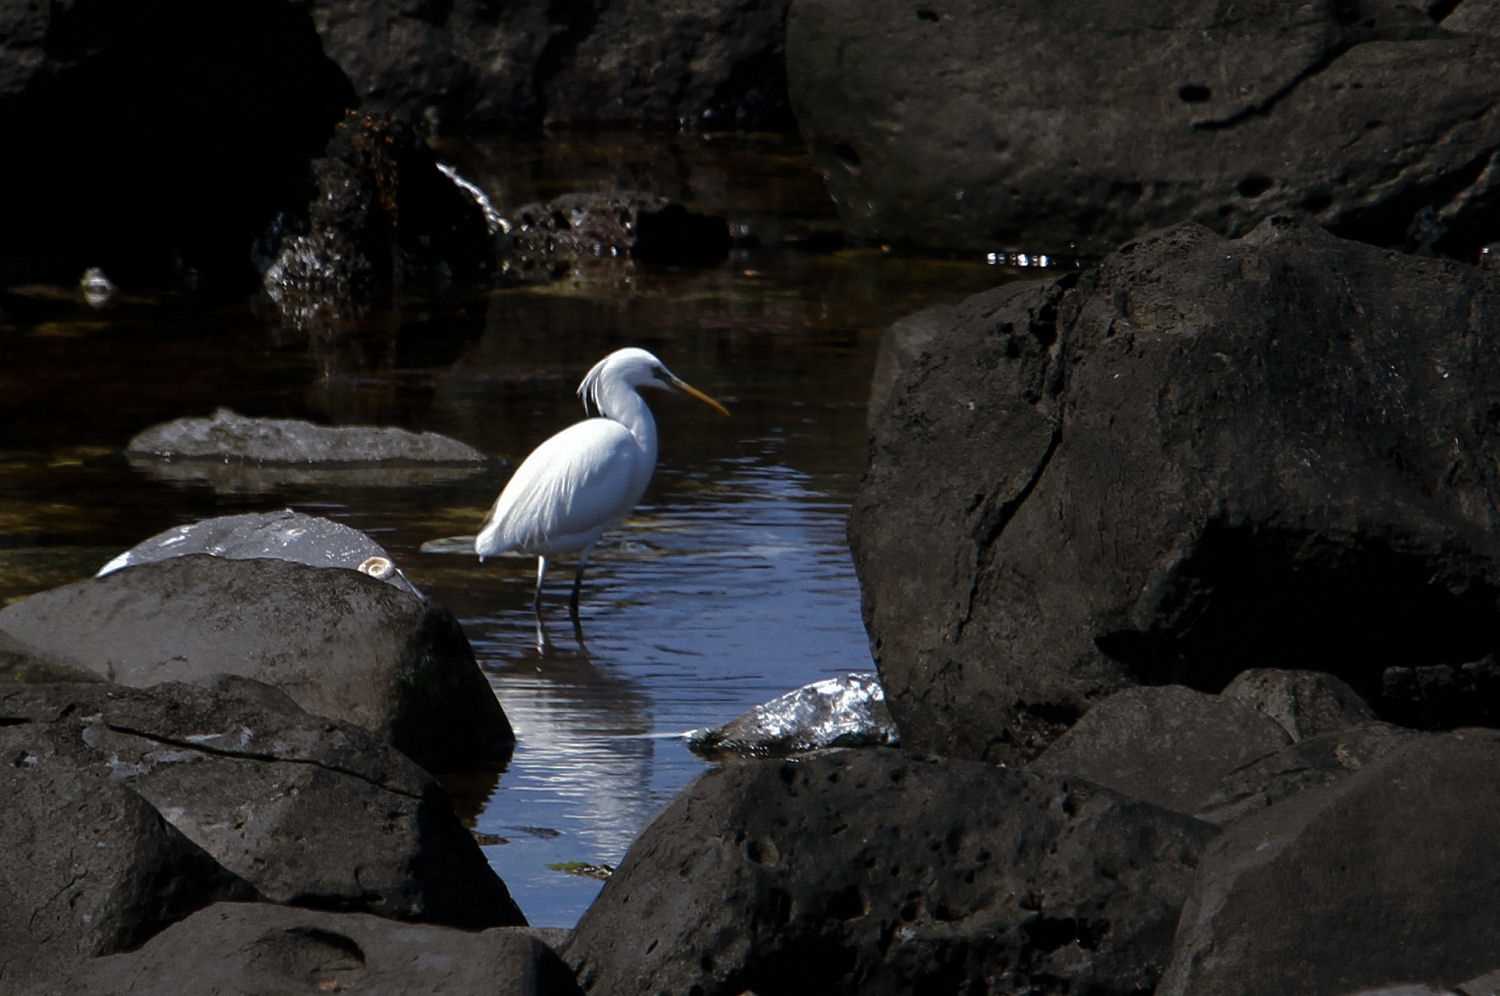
point(635, 368)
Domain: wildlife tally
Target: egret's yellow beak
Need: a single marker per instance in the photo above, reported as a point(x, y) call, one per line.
point(693, 392)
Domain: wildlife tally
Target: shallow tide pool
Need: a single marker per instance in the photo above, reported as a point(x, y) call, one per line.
point(732, 582)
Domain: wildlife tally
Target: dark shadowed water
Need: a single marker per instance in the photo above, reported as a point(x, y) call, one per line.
point(732, 582)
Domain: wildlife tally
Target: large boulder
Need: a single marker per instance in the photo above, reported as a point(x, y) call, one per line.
point(874, 872)
point(251, 949)
point(305, 811)
point(339, 643)
point(1038, 126)
point(87, 866)
point(518, 65)
point(1203, 456)
point(1304, 703)
point(158, 138)
point(1386, 877)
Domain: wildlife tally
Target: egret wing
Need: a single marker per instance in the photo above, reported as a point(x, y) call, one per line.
point(571, 488)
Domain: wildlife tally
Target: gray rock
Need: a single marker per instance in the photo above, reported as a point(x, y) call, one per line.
point(703, 65)
point(873, 872)
point(306, 811)
point(1167, 745)
point(284, 535)
point(87, 866)
point(253, 949)
point(1203, 455)
point(847, 711)
point(1310, 763)
point(1304, 703)
point(227, 436)
point(1038, 126)
point(340, 644)
point(1385, 877)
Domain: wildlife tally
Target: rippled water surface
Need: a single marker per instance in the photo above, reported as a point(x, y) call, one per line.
point(732, 582)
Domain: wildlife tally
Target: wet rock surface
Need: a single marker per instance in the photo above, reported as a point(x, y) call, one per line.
point(284, 535)
point(339, 643)
point(227, 436)
point(1169, 745)
point(1383, 878)
point(248, 949)
point(873, 871)
point(847, 711)
point(300, 810)
point(706, 65)
point(550, 239)
point(374, 214)
point(1036, 126)
point(1204, 455)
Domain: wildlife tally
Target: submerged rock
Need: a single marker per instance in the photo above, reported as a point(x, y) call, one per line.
point(306, 811)
point(249, 949)
point(874, 872)
point(227, 436)
point(548, 240)
point(847, 711)
point(981, 126)
point(284, 535)
point(342, 645)
point(1203, 455)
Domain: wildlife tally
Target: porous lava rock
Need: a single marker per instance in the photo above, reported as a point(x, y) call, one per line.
point(1203, 455)
point(871, 871)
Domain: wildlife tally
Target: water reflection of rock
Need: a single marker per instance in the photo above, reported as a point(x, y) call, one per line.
point(249, 478)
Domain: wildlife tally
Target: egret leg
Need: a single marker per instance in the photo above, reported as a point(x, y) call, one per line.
point(583, 559)
point(541, 574)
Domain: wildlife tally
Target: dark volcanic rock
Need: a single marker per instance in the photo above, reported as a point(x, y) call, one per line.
point(702, 65)
point(873, 872)
point(284, 535)
point(1038, 125)
point(306, 811)
point(1385, 877)
point(253, 949)
point(1304, 703)
point(87, 866)
point(847, 711)
point(228, 436)
point(1169, 746)
point(1313, 762)
point(155, 137)
point(548, 240)
point(341, 644)
point(375, 215)
point(1199, 457)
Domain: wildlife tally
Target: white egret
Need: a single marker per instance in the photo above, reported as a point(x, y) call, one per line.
point(587, 478)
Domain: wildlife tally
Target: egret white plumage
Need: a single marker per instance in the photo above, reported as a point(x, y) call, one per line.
point(587, 478)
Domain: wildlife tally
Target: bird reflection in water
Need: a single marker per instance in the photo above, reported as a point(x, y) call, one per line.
point(587, 478)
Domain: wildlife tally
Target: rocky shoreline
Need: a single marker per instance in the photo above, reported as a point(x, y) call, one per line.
point(1181, 570)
